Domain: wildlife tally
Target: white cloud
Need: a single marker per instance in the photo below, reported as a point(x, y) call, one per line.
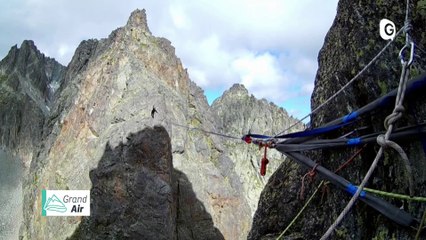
point(179, 17)
point(262, 75)
point(198, 76)
point(64, 50)
point(307, 89)
point(208, 56)
point(305, 66)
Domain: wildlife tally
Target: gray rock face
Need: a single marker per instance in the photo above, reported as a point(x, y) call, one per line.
point(104, 98)
point(192, 219)
point(239, 113)
point(37, 70)
point(26, 77)
point(351, 43)
point(131, 186)
point(136, 194)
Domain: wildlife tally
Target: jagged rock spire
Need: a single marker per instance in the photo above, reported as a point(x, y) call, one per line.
point(138, 20)
point(238, 89)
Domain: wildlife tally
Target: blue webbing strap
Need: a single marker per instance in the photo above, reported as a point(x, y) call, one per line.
point(412, 85)
point(354, 141)
point(352, 190)
point(313, 132)
point(306, 133)
point(350, 117)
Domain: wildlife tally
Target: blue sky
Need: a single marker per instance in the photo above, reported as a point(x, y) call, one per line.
point(270, 46)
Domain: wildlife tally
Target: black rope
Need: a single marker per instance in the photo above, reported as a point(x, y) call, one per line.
point(205, 131)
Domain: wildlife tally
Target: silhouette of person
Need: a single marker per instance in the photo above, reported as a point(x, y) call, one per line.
point(153, 111)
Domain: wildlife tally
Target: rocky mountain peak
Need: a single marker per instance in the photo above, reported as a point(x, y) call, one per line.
point(238, 90)
point(20, 57)
point(140, 49)
point(35, 73)
point(29, 44)
point(252, 115)
point(26, 80)
point(138, 20)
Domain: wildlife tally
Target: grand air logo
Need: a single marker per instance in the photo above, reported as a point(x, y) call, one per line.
point(54, 204)
point(65, 203)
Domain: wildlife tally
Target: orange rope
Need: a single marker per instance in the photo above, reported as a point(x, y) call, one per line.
point(311, 175)
point(345, 164)
point(264, 162)
point(350, 159)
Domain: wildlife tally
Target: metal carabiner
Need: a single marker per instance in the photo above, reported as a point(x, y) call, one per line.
point(401, 54)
